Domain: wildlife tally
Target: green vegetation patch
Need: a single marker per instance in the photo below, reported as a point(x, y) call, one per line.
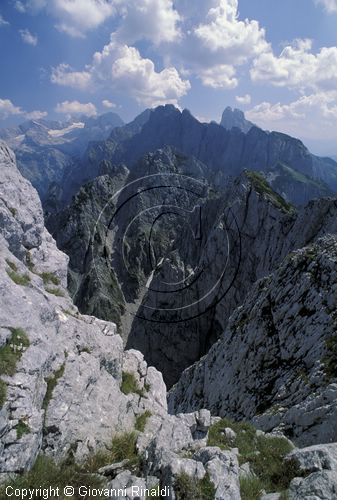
point(49, 278)
point(3, 392)
point(251, 488)
point(130, 385)
point(19, 279)
point(21, 429)
point(330, 358)
point(265, 454)
point(187, 488)
point(51, 384)
point(141, 421)
point(122, 447)
point(11, 352)
point(55, 291)
point(12, 265)
point(47, 474)
point(262, 187)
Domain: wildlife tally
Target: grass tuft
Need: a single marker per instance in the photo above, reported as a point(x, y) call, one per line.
point(21, 429)
point(51, 384)
point(11, 352)
point(122, 447)
point(49, 278)
point(251, 488)
point(55, 291)
point(3, 393)
point(141, 421)
point(330, 358)
point(130, 385)
point(154, 493)
point(187, 488)
point(12, 265)
point(19, 279)
point(262, 187)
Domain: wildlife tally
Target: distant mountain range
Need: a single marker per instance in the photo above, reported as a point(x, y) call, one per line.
point(58, 158)
point(226, 151)
point(45, 149)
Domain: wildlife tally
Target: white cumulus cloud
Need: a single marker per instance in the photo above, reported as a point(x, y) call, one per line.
point(76, 17)
point(28, 37)
point(297, 67)
point(73, 108)
point(108, 104)
point(244, 99)
point(314, 116)
point(123, 69)
point(3, 22)
point(64, 75)
point(220, 76)
point(154, 20)
point(224, 32)
point(7, 108)
point(215, 41)
point(20, 6)
point(329, 5)
point(36, 115)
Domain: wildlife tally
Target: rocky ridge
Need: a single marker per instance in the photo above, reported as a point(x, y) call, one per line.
point(226, 152)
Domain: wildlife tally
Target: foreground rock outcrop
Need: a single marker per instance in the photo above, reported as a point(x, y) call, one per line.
point(276, 361)
point(61, 372)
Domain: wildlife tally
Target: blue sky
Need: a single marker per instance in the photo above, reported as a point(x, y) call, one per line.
point(275, 60)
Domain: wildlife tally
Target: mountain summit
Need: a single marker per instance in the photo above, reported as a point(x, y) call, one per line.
point(235, 118)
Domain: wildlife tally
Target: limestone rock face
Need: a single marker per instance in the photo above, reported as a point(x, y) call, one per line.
point(64, 388)
point(319, 466)
point(275, 361)
point(22, 223)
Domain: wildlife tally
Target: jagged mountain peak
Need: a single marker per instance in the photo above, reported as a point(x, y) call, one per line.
point(233, 117)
